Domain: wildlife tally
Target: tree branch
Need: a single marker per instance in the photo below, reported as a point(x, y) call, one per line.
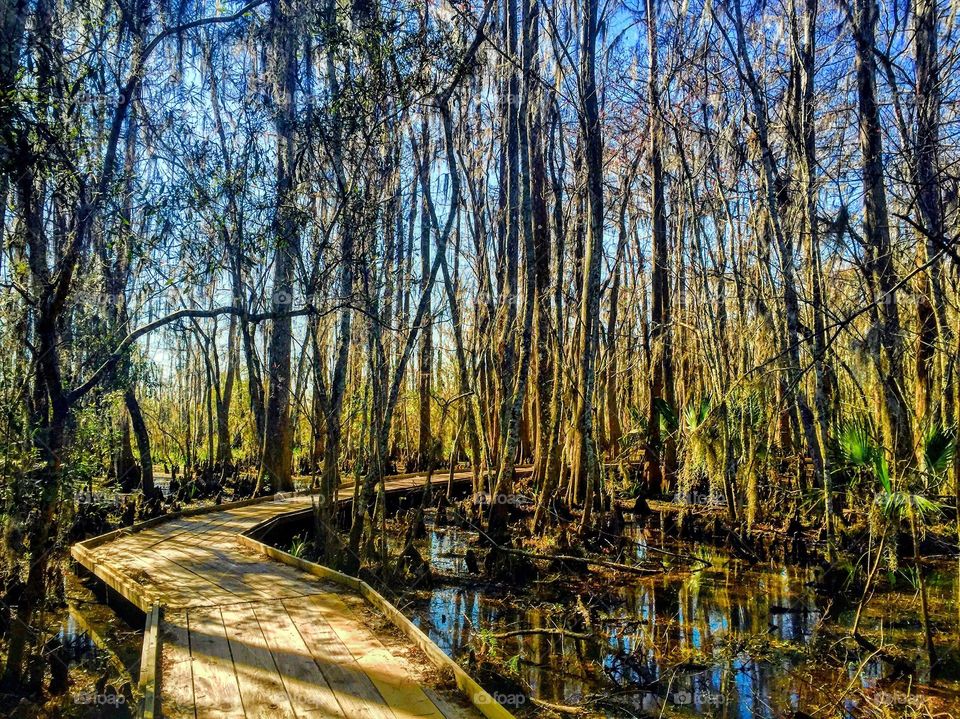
point(125, 344)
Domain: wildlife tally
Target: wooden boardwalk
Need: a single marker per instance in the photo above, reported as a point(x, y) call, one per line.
point(242, 635)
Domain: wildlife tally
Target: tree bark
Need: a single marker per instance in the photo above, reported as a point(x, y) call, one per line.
point(887, 350)
point(660, 459)
point(586, 468)
point(936, 332)
point(278, 436)
point(425, 454)
point(143, 440)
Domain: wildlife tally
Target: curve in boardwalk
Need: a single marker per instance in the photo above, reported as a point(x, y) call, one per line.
point(234, 633)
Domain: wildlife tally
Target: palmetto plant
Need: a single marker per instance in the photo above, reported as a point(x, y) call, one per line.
point(902, 502)
point(699, 438)
point(899, 505)
point(669, 423)
point(695, 413)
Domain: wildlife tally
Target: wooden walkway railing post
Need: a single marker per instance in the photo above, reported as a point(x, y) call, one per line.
point(150, 664)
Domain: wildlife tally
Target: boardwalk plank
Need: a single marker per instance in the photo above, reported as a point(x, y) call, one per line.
point(357, 694)
point(402, 694)
point(176, 675)
point(306, 686)
point(261, 687)
point(215, 687)
point(243, 635)
point(162, 578)
point(230, 578)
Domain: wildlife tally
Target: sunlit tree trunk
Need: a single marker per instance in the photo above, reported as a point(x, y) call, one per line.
point(551, 471)
point(536, 222)
point(936, 335)
point(509, 219)
point(225, 399)
point(805, 42)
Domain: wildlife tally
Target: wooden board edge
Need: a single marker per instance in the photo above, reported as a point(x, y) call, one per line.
point(123, 531)
point(269, 524)
point(478, 696)
point(119, 582)
point(317, 570)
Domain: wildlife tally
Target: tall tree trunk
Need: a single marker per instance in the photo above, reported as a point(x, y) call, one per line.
point(936, 332)
point(143, 440)
point(116, 269)
point(425, 454)
point(471, 412)
point(225, 399)
point(233, 241)
point(338, 384)
point(510, 222)
point(806, 49)
point(524, 124)
point(661, 453)
point(614, 429)
point(278, 439)
point(586, 463)
point(536, 223)
point(48, 413)
point(551, 476)
point(887, 352)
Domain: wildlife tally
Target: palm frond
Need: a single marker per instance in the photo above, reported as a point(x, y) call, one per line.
point(925, 507)
point(695, 413)
point(856, 447)
point(881, 469)
point(668, 417)
point(939, 447)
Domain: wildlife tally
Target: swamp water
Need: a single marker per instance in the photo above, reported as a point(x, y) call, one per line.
point(728, 640)
point(102, 650)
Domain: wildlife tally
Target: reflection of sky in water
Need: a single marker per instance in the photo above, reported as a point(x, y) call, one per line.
point(442, 545)
point(682, 616)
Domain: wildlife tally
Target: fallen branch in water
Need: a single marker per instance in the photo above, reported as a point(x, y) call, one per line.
point(581, 560)
point(559, 708)
point(544, 630)
point(658, 550)
point(901, 665)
